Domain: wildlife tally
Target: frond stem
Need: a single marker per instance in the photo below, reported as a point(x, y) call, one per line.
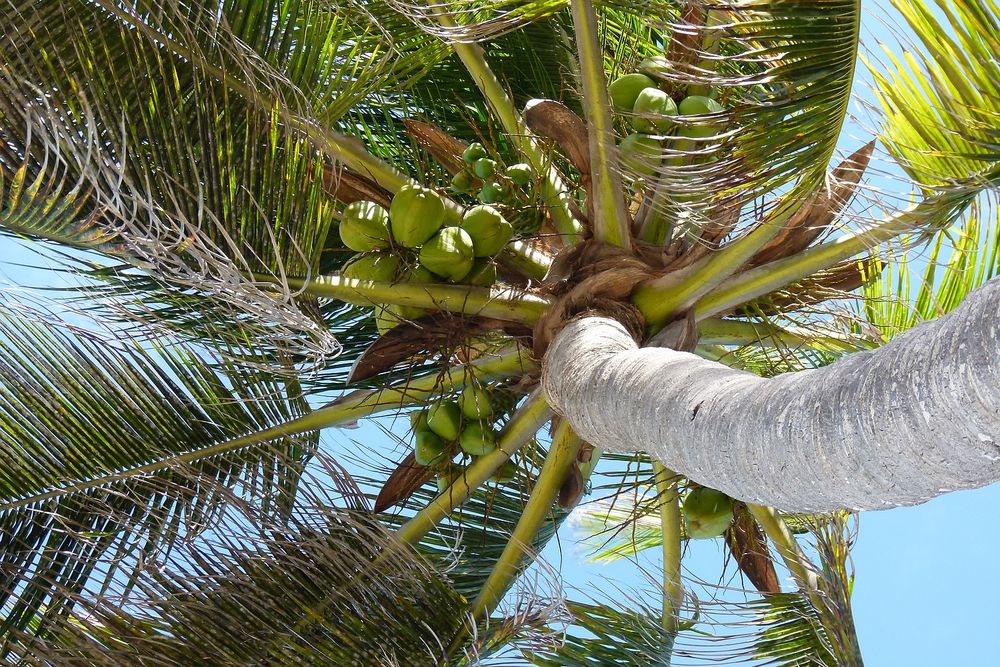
point(346, 409)
point(611, 223)
point(505, 304)
point(670, 523)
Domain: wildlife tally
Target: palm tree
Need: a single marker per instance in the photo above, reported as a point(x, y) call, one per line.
point(165, 495)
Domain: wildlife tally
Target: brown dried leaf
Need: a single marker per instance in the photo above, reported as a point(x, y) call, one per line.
point(747, 543)
point(685, 41)
point(550, 119)
point(571, 489)
point(348, 187)
point(819, 210)
point(430, 333)
point(402, 483)
point(445, 148)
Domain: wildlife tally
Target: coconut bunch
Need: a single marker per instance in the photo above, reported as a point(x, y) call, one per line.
point(413, 242)
point(653, 113)
point(455, 431)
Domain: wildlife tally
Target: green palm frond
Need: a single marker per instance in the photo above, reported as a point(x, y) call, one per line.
point(325, 586)
point(953, 264)
point(81, 402)
point(941, 97)
point(195, 136)
point(601, 635)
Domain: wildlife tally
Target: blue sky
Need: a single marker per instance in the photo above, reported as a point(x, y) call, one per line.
point(926, 577)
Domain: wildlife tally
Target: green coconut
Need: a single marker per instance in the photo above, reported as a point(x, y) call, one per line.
point(698, 105)
point(447, 477)
point(420, 275)
point(483, 273)
point(640, 153)
point(364, 226)
point(484, 167)
point(491, 193)
point(449, 253)
point(429, 449)
point(489, 230)
point(520, 174)
point(474, 151)
point(624, 90)
point(445, 419)
point(377, 266)
point(655, 107)
point(657, 66)
point(707, 513)
point(505, 473)
point(461, 182)
point(474, 401)
point(418, 420)
point(415, 214)
point(477, 440)
point(387, 317)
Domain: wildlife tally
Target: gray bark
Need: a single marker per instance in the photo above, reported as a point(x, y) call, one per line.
point(899, 425)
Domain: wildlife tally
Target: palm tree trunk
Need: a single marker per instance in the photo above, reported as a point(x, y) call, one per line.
point(894, 426)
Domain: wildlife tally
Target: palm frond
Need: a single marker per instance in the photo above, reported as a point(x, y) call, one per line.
point(328, 585)
point(954, 264)
point(81, 402)
point(941, 96)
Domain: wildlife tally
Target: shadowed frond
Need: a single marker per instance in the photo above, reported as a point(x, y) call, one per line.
point(326, 586)
point(81, 402)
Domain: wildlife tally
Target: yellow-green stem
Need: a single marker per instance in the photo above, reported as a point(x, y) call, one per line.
point(346, 409)
point(735, 332)
point(779, 534)
point(670, 522)
point(528, 259)
point(497, 303)
point(562, 454)
point(663, 298)
point(611, 223)
point(774, 275)
point(521, 428)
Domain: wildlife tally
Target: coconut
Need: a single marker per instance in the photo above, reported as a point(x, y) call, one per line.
point(477, 440)
point(445, 419)
point(483, 273)
point(377, 266)
point(364, 226)
point(461, 182)
point(429, 449)
point(640, 153)
point(489, 230)
point(697, 105)
point(415, 214)
point(707, 513)
point(449, 253)
point(474, 402)
point(484, 167)
point(520, 174)
point(474, 151)
point(491, 193)
point(656, 103)
point(624, 90)
point(505, 473)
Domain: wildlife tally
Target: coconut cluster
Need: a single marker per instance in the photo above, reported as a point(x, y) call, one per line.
point(454, 431)
point(490, 182)
point(411, 242)
point(653, 114)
